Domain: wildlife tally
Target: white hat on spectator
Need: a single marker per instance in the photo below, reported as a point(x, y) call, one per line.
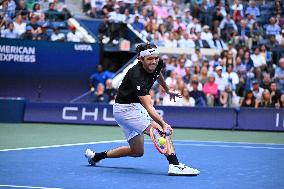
point(165, 57)
point(219, 68)
point(186, 10)
point(205, 27)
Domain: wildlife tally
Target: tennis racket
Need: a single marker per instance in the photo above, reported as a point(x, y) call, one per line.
point(155, 134)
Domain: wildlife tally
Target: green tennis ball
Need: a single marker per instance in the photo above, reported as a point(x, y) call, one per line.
point(162, 141)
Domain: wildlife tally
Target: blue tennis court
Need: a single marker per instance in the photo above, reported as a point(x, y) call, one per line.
point(222, 165)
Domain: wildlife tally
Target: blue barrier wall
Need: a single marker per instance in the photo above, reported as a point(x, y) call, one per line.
point(41, 70)
point(185, 117)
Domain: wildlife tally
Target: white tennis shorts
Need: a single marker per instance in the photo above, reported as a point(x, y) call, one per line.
point(132, 118)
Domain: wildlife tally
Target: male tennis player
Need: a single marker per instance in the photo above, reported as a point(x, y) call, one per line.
point(135, 114)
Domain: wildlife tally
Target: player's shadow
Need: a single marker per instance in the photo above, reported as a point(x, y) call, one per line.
point(130, 170)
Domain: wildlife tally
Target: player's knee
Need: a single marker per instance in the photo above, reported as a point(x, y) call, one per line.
point(139, 153)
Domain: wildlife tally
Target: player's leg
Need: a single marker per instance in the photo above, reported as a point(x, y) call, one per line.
point(175, 167)
point(135, 149)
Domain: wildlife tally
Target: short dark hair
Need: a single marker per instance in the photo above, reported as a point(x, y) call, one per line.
point(144, 46)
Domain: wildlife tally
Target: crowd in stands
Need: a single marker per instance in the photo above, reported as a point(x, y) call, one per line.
point(249, 71)
point(37, 20)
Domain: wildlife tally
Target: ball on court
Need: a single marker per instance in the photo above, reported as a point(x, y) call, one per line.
point(162, 141)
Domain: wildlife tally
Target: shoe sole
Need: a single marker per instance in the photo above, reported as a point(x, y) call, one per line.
point(174, 174)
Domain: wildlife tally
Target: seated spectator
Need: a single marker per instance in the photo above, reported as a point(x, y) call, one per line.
point(203, 76)
point(258, 60)
point(109, 90)
point(186, 78)
point(200, 42)
point(74, 35)
point(195, 24)
point(52, 14)
point(28, 34)
point(187, 18)
point(197, 57)
point(237, 9)
point(275, 93)
point(211, 90)
point(100, 95)
point(21, 8)
point(232, 77)
point(172, 79)
point(206, 34)
point(57, 36)
point(178, 24)
point(266, 101)
point(257, 34)
point(280, 38)
point(279, 75)
point(137, 25)
point(34, 24)
point(249, 100)
point(11, 7)
point(186, 42)
point(38, 12)
point(42, 33)
point(266, 81)
point(170, 40)
point(223, 85)
point(186, 99)
point(273, 28)
point(117, 26)
point(19, 25)
point(10, 32)
point(257, 90)
point(159, 10)
point(107, 8)
point(252, 9)
point(243, 36)
point(100, 76)
point(281, 103)
point(216, 19)
point(198, 95)
point(228, 27)
point(217, 42)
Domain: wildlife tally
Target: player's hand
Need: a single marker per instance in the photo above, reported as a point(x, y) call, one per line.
point(168, 129)
point(173, 95)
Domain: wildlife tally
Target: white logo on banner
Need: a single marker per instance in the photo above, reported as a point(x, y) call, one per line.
point(80, 47)
point(17, 54)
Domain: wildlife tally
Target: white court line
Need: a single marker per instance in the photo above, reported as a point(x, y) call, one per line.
point(15, 186)
point(62, 145)
point(225, 145)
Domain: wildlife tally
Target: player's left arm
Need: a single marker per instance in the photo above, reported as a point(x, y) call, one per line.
point(162, 82)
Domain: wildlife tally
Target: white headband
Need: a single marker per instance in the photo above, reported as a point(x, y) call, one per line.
point(149, 52)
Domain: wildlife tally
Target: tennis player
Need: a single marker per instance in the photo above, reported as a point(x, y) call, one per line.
point(135, 113)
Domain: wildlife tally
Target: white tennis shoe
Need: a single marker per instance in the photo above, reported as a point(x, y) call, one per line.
point(181, 169)
point(89, 154)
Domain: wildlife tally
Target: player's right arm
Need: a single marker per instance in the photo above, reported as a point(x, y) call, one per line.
point(147, 103)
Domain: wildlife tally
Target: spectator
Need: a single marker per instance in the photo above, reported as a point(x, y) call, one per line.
point(100, 76)
point(194, 24)
point(273, 28)
point(74, 35)
point(187, 18)
point(160, 11)
point(180, 69)
point(186, 99)
point(57, 36)
point(10, 32)
point(109, 90)
point(232, 77)
point(37, 11)
point(266, 81)
point(28, 33)
point(217, 18)
point(275, 93)
point(19, 25)
point(34, 24)
point(256, 34)
point(280, 38)
point(211, 90)
point(257, 91)
point(253, 9)
point(266, 101)
point(107, 8)
point(249, 100)
point(223, 85)
point(11, 8)
point(137, 25)
point(200, 42)
point(258, 60)
point(198, 95)
point(42, 33)
point(217, 42)
point(228, 27)
point(100, 95)
point(243, 37)
point(52, 14)
point(21, 8)
point(279, 75)
point(281, 103)
point(186, 42)
point(186, 78)
point(237, 9)
point(206, 34)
